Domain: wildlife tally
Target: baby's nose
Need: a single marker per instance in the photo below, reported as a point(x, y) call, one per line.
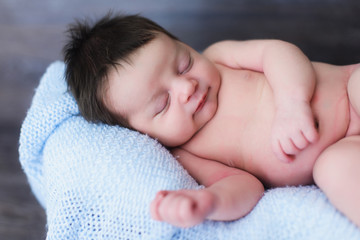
point(188, 88)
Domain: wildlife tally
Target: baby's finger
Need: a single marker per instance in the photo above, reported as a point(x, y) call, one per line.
point(300, 141)
point(154, 206)
point(311, 134)
point(186, 208)
point(289, 147)
point(184, 211)
point(279, 152)
point(168, 210)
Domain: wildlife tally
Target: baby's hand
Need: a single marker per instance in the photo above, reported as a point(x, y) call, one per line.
point(182, 208)
point(293, 129)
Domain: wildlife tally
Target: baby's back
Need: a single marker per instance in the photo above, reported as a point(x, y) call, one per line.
point(239, 133)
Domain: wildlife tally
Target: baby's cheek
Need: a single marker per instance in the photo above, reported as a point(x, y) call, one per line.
point(182, 135)
point(174, 136)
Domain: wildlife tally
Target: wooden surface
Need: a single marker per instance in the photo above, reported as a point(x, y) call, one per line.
point(32, 35)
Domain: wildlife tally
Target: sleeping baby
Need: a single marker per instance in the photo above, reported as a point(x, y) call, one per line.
point(240, 117)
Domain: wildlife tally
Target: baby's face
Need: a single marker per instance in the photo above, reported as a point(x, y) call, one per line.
point(167, 90)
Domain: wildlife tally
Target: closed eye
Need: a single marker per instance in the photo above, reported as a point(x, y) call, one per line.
point(187, 66)
point(164, 105)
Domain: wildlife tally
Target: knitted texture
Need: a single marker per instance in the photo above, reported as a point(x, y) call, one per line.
point(97, 181)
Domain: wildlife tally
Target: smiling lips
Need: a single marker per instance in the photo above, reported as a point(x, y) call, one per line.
point(201, 103)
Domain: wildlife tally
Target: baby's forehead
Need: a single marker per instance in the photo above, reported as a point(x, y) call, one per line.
point(160, 44)
point(148, 60)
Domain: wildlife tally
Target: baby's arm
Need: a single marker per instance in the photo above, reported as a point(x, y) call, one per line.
point(292, 78)
point(229, 194)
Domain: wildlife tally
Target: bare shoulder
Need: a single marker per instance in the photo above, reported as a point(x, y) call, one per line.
point(248, 54)
point(212, 51)
point(253, 45)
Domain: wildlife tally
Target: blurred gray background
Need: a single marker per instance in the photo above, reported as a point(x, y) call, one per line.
point(32, 36)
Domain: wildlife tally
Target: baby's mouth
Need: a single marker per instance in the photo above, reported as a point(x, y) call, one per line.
point(202, 102)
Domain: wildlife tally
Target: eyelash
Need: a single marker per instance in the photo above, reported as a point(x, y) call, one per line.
point(166, 105)
point(189, 65)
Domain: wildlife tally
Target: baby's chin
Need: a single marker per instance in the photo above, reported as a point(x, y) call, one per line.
point(183, 135)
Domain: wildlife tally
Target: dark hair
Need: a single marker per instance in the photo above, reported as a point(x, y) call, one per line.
point(93, 49)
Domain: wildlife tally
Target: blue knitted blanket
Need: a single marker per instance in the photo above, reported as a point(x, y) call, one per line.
point(97, 181)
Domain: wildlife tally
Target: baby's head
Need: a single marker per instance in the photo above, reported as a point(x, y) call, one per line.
point(129, 71)
point(94, 49)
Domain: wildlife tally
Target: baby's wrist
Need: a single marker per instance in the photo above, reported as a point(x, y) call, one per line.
point(290, 102)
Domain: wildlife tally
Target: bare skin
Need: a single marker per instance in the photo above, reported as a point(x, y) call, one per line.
point(217, 110)
point(243, 90)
